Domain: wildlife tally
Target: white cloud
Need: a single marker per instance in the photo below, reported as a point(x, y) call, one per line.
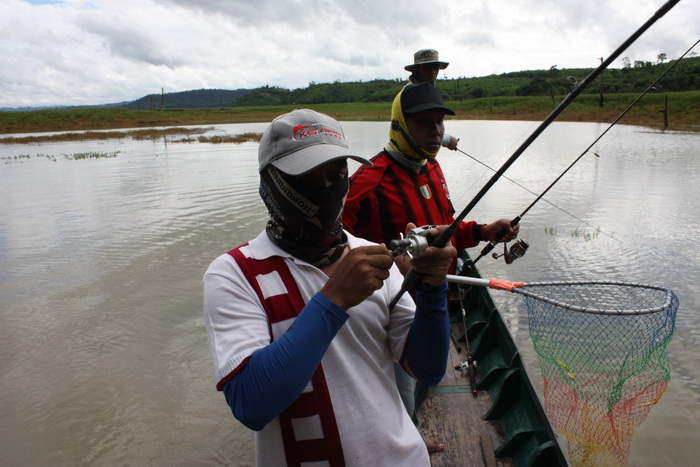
point(101, 51)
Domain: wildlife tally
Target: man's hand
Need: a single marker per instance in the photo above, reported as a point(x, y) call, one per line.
point(489, 232)
point(452, 143)
point(435, 264)
point(359, 273)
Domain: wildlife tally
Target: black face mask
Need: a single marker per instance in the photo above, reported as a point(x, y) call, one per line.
point(305, 221)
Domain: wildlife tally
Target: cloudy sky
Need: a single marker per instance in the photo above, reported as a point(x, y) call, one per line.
point(75, 52)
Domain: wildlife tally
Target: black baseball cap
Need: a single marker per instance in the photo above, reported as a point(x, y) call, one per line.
point(420, 97)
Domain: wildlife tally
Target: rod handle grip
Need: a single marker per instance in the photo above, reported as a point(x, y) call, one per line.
point(472, 375)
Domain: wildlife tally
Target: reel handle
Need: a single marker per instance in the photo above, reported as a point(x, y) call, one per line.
point(490, 245)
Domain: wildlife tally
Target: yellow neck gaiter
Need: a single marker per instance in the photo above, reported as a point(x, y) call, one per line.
point(400, 139)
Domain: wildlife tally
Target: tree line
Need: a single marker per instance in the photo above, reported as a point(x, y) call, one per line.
point(633, 77)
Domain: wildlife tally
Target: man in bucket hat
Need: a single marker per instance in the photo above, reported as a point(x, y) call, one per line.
point(301, 336)
point(424, 69)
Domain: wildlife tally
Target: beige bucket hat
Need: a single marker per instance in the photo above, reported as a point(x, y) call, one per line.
point(425, 56)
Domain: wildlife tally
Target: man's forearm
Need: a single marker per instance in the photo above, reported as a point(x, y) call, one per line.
point(429, 339)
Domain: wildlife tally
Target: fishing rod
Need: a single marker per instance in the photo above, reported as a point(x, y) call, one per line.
point(515, 221)
point(469, 365)
point(412, 277)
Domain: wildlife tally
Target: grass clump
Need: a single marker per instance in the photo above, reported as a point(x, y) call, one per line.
point(152, 134)
point(20, 158)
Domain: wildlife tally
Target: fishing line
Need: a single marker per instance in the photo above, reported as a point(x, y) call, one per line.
point(500, 158)
point(412, 277)
point(535, 194)
point(515, 221)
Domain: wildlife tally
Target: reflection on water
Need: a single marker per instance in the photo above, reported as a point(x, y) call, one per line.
point(103, 350)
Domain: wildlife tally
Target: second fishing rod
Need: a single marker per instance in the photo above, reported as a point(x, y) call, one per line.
point(487, 249)
point(412, 278)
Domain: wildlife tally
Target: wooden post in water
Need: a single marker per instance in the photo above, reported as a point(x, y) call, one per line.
point(665, 112)
point(600, 101)
point(551, 91)
point(162, 99)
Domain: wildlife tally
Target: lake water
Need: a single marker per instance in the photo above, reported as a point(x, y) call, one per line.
point(103, 352)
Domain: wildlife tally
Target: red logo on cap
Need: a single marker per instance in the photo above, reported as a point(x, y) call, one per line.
point(302, 131)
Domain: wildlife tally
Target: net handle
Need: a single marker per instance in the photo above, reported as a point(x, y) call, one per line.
point(490, 283)
point(519, 288)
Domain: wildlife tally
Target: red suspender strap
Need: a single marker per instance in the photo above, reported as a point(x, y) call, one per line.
point(308, 425)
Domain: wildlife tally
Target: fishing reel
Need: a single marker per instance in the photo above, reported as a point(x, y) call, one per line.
point(517, 250)
point(466, 365)
point(415, 243)
point(469, 367)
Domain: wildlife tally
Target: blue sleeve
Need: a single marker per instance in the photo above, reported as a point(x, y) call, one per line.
point(276, 375)
point(429, 338)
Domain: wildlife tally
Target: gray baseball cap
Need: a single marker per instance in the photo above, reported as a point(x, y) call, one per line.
point(301, 140)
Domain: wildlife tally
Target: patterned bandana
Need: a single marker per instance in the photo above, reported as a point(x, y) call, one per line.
point(400, 140)
point(305, 221)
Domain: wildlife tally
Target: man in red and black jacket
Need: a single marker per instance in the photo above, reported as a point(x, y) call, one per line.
point(405, 183)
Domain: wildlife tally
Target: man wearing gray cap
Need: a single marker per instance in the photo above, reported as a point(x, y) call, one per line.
point(300, 332)
point(424, 69)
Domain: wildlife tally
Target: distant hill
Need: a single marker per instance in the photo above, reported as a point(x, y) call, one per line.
point(198, 99)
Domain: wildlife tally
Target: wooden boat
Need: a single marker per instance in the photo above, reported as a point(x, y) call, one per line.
point(505, 423)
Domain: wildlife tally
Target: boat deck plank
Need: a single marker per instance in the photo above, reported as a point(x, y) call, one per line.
point(452, 415)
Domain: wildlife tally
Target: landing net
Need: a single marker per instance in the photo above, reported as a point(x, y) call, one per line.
point(602, 349)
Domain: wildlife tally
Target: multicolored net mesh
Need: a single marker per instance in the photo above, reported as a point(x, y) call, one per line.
point(602, 349)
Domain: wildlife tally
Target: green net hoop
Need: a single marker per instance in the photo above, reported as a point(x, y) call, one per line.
point(602, 349)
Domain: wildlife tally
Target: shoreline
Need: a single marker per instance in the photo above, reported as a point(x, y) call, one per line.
point(153, 130)
point(681, 115)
